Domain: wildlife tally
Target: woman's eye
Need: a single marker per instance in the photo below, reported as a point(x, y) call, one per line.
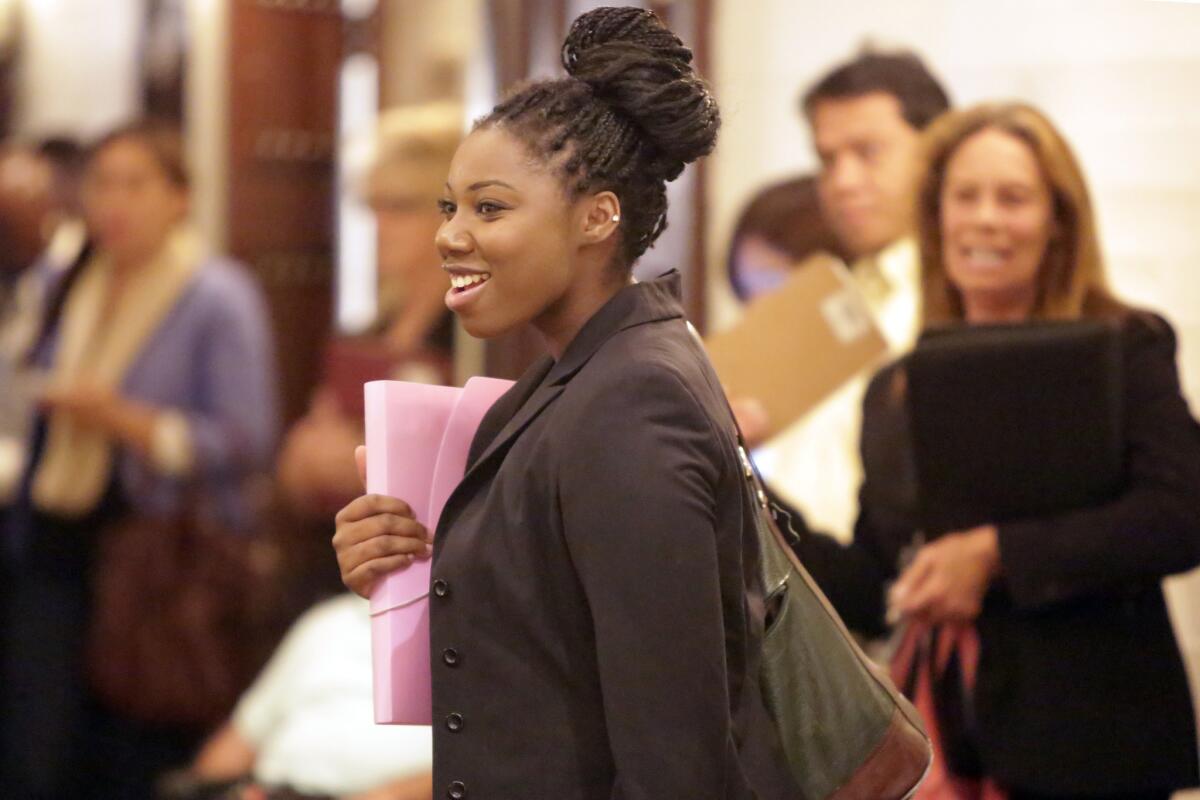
point(487, 208)
point(446, 207)
point(1013, 199)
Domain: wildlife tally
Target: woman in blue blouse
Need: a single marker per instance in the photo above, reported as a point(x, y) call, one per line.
point(161, 378)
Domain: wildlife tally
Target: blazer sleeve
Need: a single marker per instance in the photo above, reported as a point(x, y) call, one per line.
point(234, 423)
point(1152, 529)
point(637, 491)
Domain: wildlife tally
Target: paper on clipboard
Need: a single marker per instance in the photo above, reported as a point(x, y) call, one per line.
point(795, 346)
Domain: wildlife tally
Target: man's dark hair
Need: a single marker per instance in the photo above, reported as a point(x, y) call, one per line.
point(901, 74)
point(627, 119)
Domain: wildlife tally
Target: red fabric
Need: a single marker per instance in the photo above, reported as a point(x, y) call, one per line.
point(913, 654)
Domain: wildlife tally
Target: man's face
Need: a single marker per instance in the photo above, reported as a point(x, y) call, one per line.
point(868, 158)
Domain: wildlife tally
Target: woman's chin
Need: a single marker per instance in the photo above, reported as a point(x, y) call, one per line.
point(483, 328)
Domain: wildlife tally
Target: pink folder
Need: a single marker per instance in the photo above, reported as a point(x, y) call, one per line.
point(417, 441)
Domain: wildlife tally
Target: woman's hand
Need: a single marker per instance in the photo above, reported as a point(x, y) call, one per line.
point(89, 404)
point(947, 580)
point(315, 466)
point(376, 535)
point(102, 408)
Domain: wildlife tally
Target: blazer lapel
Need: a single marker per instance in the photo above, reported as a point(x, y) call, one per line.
point(528, 412)
point(479, 468)
point(499, 415)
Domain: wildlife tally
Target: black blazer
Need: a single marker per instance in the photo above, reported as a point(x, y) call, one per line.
point(592, 633)
point(1081, 688)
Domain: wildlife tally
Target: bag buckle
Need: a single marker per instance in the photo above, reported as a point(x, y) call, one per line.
point(746, 466)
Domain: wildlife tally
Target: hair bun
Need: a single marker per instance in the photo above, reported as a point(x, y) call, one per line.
point(640, 69)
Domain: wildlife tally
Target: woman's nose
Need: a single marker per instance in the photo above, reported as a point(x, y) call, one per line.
point(987, 212)
point(451, 239)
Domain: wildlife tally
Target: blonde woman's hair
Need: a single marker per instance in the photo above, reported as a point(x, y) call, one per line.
point(413, 149)
point(1070, 282)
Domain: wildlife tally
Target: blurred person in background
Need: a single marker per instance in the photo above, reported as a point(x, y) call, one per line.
point(306, 726)
point(161, 375)
point(777, 230)
point(866, 118)
point(26, 202)
point(413, 338)
point(40, 238)
point(1080, 690)
point(41, 234)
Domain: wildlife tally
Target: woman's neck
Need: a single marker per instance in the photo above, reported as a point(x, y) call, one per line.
point(132, 261)
point(991, 308)
point(561, 324)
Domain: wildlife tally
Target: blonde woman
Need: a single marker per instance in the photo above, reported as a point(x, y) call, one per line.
point(1080, 690)
point(412, 339)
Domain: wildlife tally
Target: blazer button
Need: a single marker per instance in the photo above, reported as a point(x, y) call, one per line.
point(457, 790)
point(441, 588)
point(454, 722)
point(450, 657)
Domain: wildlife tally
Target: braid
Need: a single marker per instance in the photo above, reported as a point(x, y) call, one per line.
point(628, 118)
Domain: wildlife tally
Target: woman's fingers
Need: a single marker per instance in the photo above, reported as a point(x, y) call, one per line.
point(909, 582)
point(380, 526)
point(360, 460)
point(376, 554)
point(362, 579)
point(375, 535)
point(369, 505)
point(926, 597)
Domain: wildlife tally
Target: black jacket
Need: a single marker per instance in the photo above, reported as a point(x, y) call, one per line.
point(592, 635)
point(1081, 688)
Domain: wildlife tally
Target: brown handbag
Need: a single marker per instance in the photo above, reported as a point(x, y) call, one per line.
point(846, 732)
point(181, 618)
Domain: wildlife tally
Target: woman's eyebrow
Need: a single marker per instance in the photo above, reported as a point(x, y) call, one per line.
point(482, 184)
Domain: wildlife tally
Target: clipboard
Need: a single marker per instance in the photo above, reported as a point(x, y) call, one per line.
point(800, 343)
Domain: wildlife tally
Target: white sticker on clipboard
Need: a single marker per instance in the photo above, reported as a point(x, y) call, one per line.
point(847, 315)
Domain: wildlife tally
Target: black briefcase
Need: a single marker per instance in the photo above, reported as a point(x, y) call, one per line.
point(1015, 421)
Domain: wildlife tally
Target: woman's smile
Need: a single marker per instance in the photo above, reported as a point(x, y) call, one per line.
point(985, 259)
point(465, 286)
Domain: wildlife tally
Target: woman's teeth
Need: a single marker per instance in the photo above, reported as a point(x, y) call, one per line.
point(467, 281)
point(984, 258)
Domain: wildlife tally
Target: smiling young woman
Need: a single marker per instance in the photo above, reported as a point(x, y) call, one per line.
point(596, 614)
point(515, 251)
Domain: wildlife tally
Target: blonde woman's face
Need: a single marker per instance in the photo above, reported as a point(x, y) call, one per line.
point(997, 218)
point(129, 201)
point(405, 229)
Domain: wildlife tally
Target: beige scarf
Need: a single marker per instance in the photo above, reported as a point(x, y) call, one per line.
point(77, 460)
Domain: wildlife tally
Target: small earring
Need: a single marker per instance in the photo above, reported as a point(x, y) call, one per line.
point(616, 217)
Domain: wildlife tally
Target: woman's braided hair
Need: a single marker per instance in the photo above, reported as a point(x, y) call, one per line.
point(629, 117)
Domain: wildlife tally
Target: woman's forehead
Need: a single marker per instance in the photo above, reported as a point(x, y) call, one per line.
point(492, 155)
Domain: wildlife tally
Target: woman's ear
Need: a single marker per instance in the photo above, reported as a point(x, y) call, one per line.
point(602, 217)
